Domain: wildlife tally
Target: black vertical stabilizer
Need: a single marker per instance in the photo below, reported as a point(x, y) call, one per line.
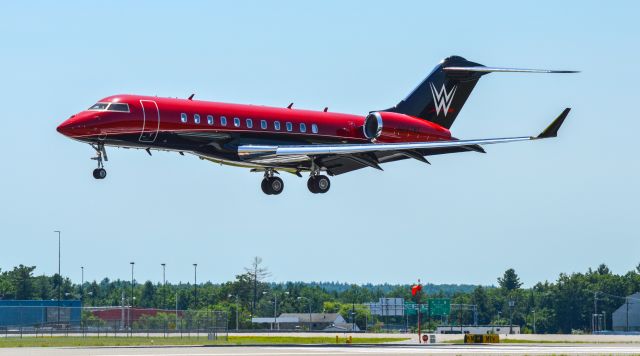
point(440, 97)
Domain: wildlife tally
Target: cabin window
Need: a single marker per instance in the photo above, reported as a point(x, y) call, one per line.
point(196, 118)
point(236, 121)
point(276, 125)
point(223, 121)
point(263, 124)
point(183, 117)
point(249, 123)
point(303, 127)
point(122, 107)
point(289, 126)
point(99, 106)
point(314, 128)
point(210, 119)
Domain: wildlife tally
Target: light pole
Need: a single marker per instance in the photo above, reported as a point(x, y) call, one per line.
point(512, 303)
point(132, 263)
point(309, 303)
point(82, 285)
point(534, 321)
point(237, 309)
point(59, 278)
point(195, 284)
point(275, 309)
point(164, 286)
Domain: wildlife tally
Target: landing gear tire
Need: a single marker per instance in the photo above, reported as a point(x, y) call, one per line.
point(319, 184)
point(272, 185)
point(265, 186)
point(99, 173)
point(311, 185)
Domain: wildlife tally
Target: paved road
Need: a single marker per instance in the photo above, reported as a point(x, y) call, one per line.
point(546, 349)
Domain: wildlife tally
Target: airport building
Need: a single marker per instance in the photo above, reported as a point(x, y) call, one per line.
point(301, 321)
point(478, 329)
point(39, 313)
point(627, 316)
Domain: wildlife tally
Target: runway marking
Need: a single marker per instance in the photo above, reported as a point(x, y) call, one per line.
point(457, 350)
point(353, 350)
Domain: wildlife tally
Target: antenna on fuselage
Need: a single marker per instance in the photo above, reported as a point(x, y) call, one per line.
point(290, 106)
point(191, 97)
point(325, 109)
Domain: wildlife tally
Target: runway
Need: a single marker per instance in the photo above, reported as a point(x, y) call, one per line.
point(504, 349)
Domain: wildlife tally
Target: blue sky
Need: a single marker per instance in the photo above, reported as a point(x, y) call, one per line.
point(542, 208)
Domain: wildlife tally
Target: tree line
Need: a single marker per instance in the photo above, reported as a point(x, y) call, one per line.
point(562, 306)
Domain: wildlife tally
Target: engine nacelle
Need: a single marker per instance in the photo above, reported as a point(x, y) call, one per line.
point(395, 127)
point(372, 127)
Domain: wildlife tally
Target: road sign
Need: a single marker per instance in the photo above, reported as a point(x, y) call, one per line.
point(439, 306)
point(411, 308)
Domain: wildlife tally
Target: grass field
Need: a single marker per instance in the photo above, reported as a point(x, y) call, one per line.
point(63, 341)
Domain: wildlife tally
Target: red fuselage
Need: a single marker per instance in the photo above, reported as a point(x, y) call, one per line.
point(212, 130)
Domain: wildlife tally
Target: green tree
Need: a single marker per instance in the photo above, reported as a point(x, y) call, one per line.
point(22, 280)
point(510, 280)
point(148, 295)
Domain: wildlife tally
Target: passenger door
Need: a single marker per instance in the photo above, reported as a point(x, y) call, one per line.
point(150, 121)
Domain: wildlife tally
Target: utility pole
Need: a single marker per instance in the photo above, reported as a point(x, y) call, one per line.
point(626, 299)
point(237, 309)
point(275, 309)
point(353, 316)
point(595, 312)
point(59, 278)
point(164, 287)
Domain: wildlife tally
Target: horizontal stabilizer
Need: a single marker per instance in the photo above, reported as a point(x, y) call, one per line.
point(483, 69)
point(552, 129)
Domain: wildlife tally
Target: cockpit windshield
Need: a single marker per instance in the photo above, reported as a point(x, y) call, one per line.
point(122, 107)
point(99, 106)
point(118, 107)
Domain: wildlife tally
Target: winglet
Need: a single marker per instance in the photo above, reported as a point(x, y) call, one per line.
point(552, 129)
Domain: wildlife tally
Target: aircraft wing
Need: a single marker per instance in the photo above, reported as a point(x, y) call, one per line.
point(371, 154)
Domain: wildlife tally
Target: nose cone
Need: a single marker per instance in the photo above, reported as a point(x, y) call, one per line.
point(80, 125)
point(65, 127)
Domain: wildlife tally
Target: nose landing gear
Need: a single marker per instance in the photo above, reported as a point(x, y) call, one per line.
point(271, 185)
point(101, 154)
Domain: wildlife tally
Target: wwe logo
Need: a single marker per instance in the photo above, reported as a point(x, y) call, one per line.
point(442, 98)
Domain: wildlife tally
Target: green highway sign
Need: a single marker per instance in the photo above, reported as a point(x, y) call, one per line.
point(410, 308)
point(439, 306)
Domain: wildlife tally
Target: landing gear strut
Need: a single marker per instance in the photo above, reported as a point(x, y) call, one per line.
point(271, 185)
point(101, 154)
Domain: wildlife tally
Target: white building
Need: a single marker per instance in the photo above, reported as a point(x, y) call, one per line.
point(479, 329)
point(627, 316)
point(301, 321)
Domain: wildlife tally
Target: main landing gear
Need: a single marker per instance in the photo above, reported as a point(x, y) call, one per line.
point(271, 185)
point(318, 184)
point(101, 154)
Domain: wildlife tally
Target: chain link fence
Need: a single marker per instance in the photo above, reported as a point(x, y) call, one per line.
point(112, 321)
